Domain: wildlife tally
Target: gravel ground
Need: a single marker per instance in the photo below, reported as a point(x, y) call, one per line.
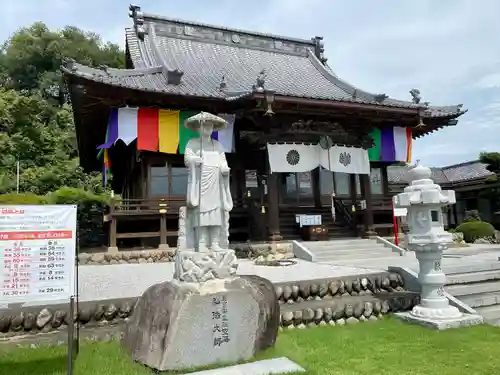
point(131, 280)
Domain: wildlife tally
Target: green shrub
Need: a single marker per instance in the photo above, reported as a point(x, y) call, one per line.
point(27, 198)
point(472, 215)
point(90, 227)
point(473, 230)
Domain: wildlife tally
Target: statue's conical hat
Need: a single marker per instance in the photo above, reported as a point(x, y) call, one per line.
point(196, 121)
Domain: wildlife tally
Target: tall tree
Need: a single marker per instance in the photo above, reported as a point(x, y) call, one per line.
point(492, 191)
point(34, 54)
point(35, 129)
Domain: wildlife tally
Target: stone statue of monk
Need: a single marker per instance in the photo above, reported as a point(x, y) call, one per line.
point(208, 213)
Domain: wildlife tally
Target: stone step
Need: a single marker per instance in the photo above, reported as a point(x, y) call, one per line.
point(360, 247)
point(346, 243)
point(350, 252)
point(491, 314)
point(481, 299)
point(335, 257)
point(459, 290)
point(472, 277)
point(471, 267)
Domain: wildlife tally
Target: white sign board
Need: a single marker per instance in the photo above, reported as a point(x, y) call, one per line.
point(308, 220)
point(399, 212)
point(37, 253)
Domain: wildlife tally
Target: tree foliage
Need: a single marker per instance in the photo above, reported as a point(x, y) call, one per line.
point(36, 127)
point(492, 161)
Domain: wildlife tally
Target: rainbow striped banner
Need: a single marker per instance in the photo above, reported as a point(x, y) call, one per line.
point(159, 129)
point(391, 144)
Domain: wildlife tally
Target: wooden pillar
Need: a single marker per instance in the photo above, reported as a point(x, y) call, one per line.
point(368, 212)
point(352, 202)
point(316, 187)
point(385, 182)
point(112, 227)
point(163, 231)
point(273, 212)
point(241, 183)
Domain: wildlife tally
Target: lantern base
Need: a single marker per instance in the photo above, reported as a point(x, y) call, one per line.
point(465, 320)
point(449, 312)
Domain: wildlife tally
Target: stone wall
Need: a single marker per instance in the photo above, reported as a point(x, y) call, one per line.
point(343, 300)
point(126, 257)
point(317, 302)
point(243, 251)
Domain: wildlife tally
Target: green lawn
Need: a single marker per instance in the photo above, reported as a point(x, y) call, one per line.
point(388, 347)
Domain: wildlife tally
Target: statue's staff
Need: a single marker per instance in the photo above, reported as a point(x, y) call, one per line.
point(198, 229)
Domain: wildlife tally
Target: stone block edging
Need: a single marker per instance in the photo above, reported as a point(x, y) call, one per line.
point(96, 316)
point(243, 251)
point(359, 285)
point(348, 310)
point(126, 257)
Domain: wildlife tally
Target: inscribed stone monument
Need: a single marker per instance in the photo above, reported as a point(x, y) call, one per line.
point(207, 314)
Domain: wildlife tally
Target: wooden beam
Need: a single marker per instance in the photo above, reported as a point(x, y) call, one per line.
point(339, 104)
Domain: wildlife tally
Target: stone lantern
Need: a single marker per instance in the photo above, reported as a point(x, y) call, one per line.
point(426, 236)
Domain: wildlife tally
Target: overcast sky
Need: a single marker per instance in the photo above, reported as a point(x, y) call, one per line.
point(449, 49)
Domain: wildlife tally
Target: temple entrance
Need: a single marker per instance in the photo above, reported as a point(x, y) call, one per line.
point(297, 189)
point(168, 181)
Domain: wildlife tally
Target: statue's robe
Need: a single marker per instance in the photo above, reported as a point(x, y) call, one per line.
point(215, 203)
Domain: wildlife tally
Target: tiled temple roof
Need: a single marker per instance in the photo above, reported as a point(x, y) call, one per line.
point(223, 63)
point(456, 173)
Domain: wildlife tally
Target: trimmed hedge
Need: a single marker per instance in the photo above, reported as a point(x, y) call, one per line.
point(90, 227)
point(473, 230)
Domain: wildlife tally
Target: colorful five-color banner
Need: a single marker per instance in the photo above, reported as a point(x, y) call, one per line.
point(159, 130)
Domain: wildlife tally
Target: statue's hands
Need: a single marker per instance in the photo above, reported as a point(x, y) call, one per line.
point(225, 170)
point(197, 160)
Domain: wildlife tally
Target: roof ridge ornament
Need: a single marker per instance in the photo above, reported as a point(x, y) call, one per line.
point(104, 68)
point(69, 64)
point(138, 17)
point(416, 97)
point(174, 77)
point(379, 98)
point(260, 81)
point(319, 49)
point(223, 84)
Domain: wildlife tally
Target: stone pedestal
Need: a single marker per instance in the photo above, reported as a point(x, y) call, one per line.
point(179, 325)
point(196, 267)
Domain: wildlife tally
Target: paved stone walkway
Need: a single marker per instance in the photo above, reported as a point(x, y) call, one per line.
point(453, 257)
point(131, 280)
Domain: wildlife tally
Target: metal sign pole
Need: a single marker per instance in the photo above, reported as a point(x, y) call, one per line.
point(71, 334)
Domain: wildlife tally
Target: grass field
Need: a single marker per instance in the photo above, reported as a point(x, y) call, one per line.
point(385, 347)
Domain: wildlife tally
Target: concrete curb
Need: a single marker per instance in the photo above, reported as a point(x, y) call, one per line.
point(302, 252)
point(394, 247)
point(410, 278)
